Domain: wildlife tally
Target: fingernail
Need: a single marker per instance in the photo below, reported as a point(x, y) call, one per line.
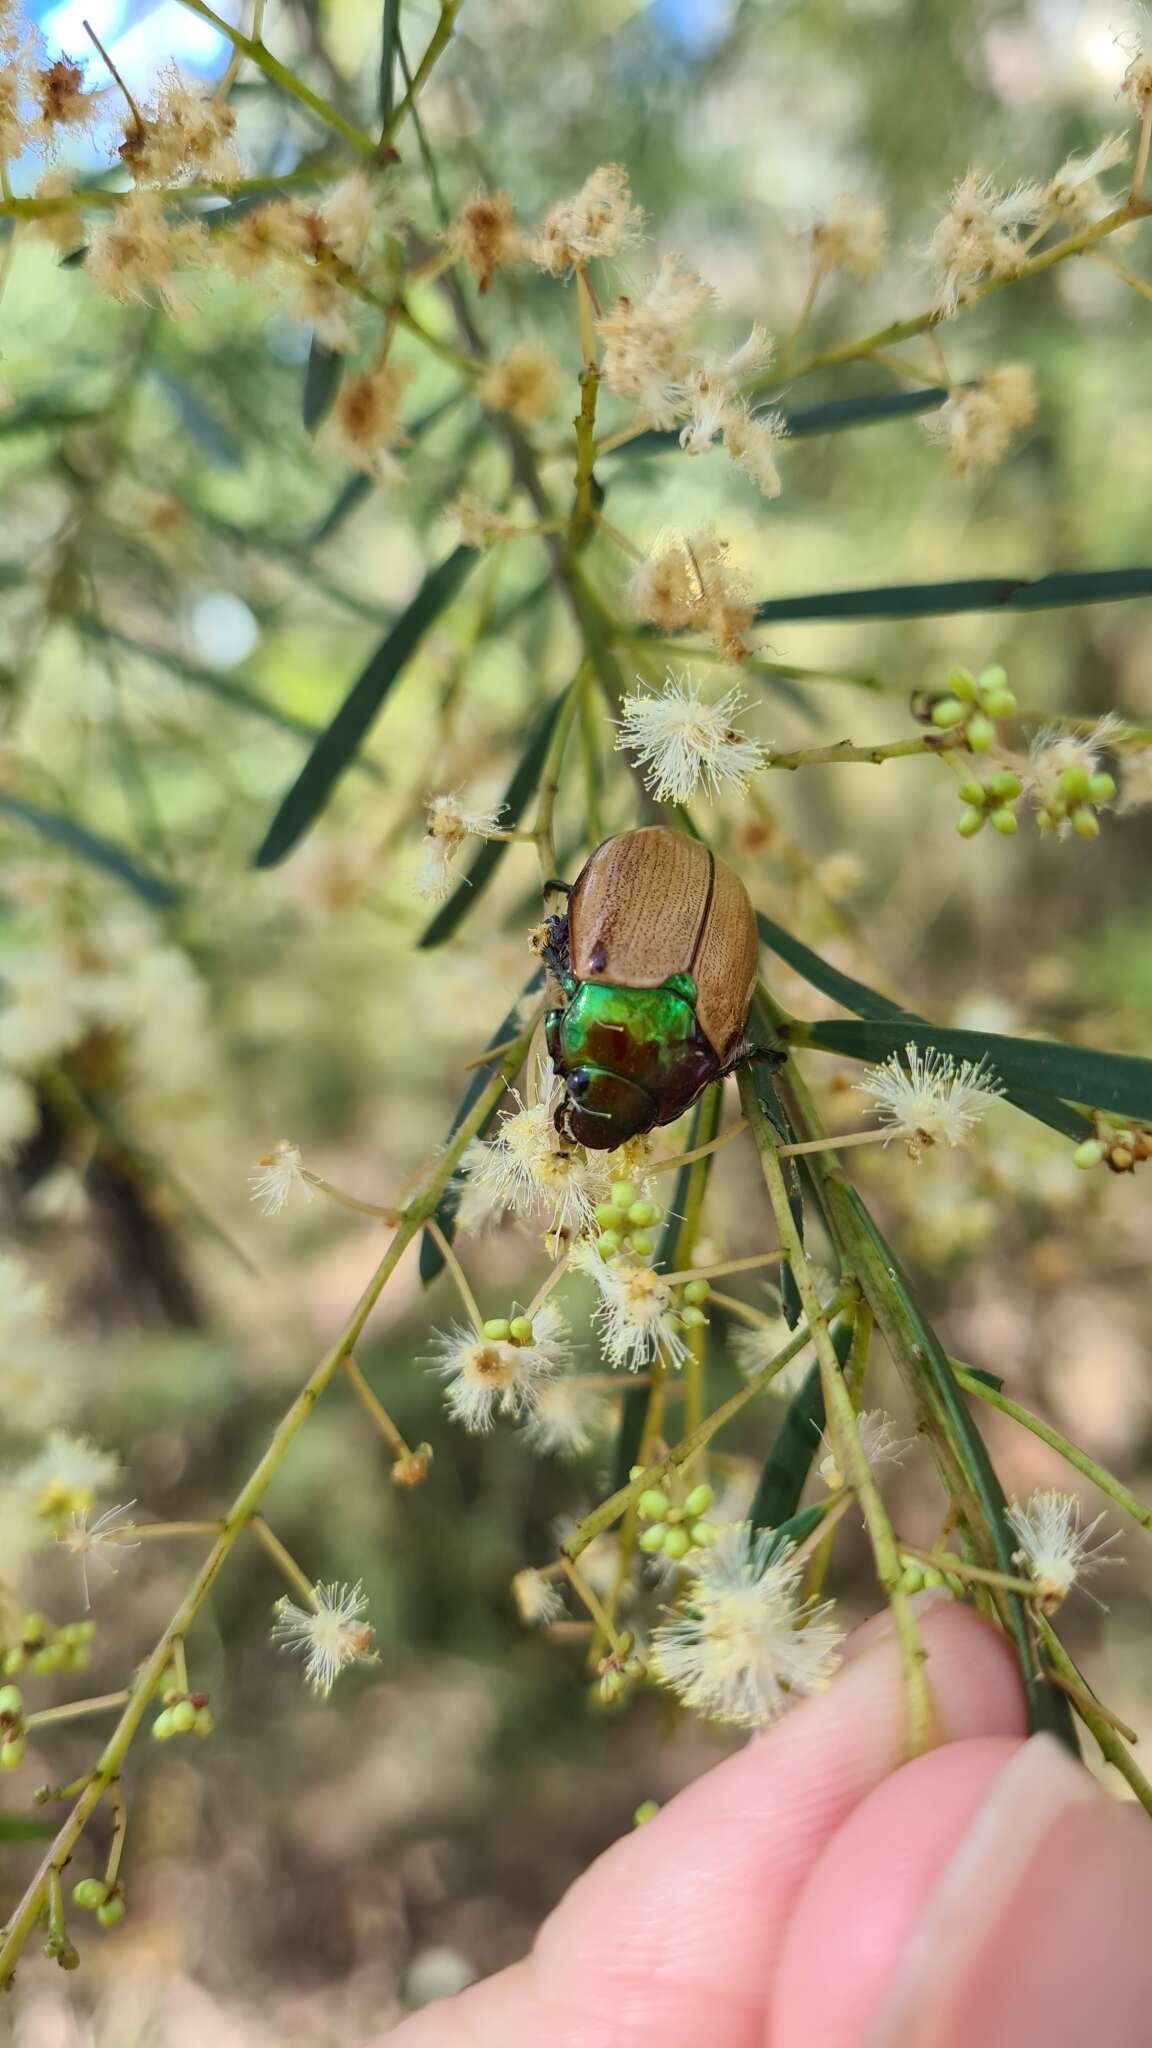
point(1032, 1795)
point(879, 1626)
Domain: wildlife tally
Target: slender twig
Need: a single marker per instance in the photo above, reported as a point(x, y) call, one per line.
point(74, 1710)
point(1095, 1720)
point(447, 1252)
point(249, 46)
point(1072, 1454)
point(376, 1410)
point(723, 1266)
point(119, 1829)
point(698, 1151)
point(284, 1561)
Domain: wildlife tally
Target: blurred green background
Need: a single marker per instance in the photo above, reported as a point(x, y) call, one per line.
point(184, 573)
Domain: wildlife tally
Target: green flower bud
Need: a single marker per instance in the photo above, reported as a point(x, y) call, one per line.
point(992, 678)
point(1044, 819)
point(1101, 788)
point(642, 1243)
point(640, 1214)
point(1075, 781)
point(183, 1717)
point(520, 1330)
point(111, 1913)
point(962, 684)
point(12, 1752)
point(608, 1244)
point(703, 1535)
point(498, 1329)
point(14, 1659)
point(911, 1576)
point(947, 712)
point(162, 1726)
point(998, 703)
point(1085, 823)
point(970, 823)
point(1004, 821)
point(1089, 1154)
point(65, 1954)
point(1004, 786)
point(693, 1318)
point(653, 1504)
point(623, 1194)
point(980, 732)
point(611, 1687)
point(647, 1810)
point(677, 1544)
point(657, 1212)
point(697, 1292)
point(651, 1539)
point(932, 1576)
point(674, 1517)
point(11, 1699)
point(89, 1893)
point(608, 1216)
point(973, 792)
point(204, 1723)
point(50, 1658)
point(698, 1501)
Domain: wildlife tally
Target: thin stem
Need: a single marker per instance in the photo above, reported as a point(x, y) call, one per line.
point(698, 1151)
point(132, 107)
point(325, 1187)
point(617, 1504)
point(1095, 1720)
point(74, 1710)
point(492, 1052)
point(379, 1414)
point(588, 1597)
point(844, 751)
point(842, 1429)
point(947, 1561)
point(814, 283)
point(228, 75)
point(723, 1266)
point(543, 831)
point(139, 1529)
point(282, 1557)
point(41, 206)
point(180, 1665)
point(246, 1504)
point(1141, 164)
point(447, 1253)
point(1129, 277)
point(758, 1317)
point(1070, 1452)
point(1082, 1698)
point(545, 1288)
point(438, 43)
point(834, 1144)
point(119, 1830)
point(250, 46)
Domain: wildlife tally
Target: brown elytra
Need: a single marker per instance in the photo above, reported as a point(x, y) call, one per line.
point(652, 903)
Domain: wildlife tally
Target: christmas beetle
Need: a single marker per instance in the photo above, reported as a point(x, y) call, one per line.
point(656, 958)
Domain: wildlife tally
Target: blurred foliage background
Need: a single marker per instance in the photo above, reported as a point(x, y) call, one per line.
point(189, 581)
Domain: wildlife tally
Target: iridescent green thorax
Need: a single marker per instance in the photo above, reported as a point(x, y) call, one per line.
point(632, 1057)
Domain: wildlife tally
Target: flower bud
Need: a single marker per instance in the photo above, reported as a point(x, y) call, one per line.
point(703, 1534)
point(962, 683)
point(608, 1216)
point(183, 1717)
point(1004, 821)
point(973, 792)
point(496, 1329)
point(980, 733)
point(698, 1501)
point(1075, 781)
point(520, 1330)
point(693, 1318)
point(112, 1911)
point(1004, 786)
point(1084, 823)
point(623, 1194)
point(1089, 1154)
point(998, 703)
point(89, 1893)
point(608, 1244)
point(642, 1242)
point(697, 1292)
point(652, 1538)
point(162, 1726)
point(204, 1724)
point(677, 1544)
point(647, 1810)
point(947, 712)
point(969, 824)
point(653, 1504)
point(1101, 787)
point(11, 1701)
point(12, 1752)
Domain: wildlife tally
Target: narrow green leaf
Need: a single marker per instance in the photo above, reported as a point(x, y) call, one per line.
point(785, 1471)
point(389, 39)
point(833, 418)
point(42, 416)
point(323, 374)
point(866, 1002)
point(202, 426)
point(431, 1257)
point(795, 1530)
point(490, 853)
point(975, 594)
point(97, 851)
point(1118, 1083)
point(337, 746)
point(26, 1827)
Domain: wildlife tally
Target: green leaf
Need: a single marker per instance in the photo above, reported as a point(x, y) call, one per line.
point(1118, 1083)
point(786, 1468)
point(26, 1827)
point(97, 851)
point(975, 594)
point(42, 416)
point(833, 418)
point(389, 40)
point(323, 374)
point(855, 995)
point(490, 853)
point(212, 439)
point(337, 746)
point(796, 1529)
point(431, 1257)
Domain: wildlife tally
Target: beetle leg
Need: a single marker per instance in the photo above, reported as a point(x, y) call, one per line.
point(773, 1056)
point(552, 1034)
point(550, 944)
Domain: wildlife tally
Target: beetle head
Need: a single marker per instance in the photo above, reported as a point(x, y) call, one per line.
point(600, 1110)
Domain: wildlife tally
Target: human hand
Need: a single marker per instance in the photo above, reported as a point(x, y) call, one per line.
point(812, 1892)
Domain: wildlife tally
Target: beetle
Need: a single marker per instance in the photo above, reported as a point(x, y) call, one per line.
point(656, 958)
